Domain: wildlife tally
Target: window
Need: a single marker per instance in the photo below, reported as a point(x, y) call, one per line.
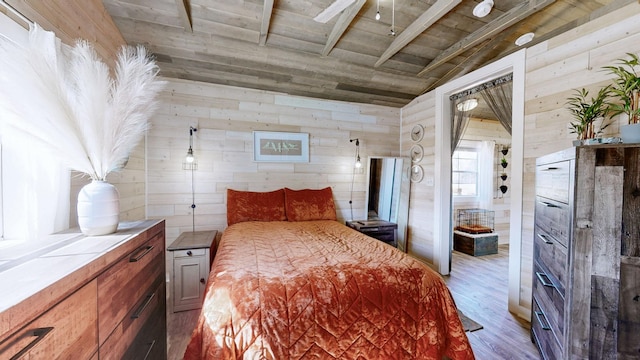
point(464, 179)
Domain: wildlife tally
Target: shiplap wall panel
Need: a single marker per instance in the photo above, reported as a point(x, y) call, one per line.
point(223, 145)
point(421, 201)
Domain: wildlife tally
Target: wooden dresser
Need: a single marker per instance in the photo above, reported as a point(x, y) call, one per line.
point(83, 297)
point(587, 253)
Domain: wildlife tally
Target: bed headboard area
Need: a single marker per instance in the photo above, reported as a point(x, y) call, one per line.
point(280, 205)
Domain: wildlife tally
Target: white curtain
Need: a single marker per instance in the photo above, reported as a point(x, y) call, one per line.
point(35, 191)
point(485, 174)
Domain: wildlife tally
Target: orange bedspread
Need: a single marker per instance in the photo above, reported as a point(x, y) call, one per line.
point(318, 289)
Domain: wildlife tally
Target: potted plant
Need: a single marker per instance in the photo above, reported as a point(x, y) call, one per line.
point(68, 103)
point(504, 163)
point(503, 176)
point(586, 112)
point(625, 92)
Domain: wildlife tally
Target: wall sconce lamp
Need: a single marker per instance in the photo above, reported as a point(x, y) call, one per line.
point(190, 160)
point(190, 163)
point(358, 163)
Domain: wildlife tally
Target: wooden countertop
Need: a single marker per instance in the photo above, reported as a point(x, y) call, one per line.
point(193, 240)
point(37, 280)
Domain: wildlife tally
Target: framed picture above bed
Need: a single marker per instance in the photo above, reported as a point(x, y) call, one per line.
point(274, 146)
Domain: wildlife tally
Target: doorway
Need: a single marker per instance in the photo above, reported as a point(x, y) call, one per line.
point(443, 218)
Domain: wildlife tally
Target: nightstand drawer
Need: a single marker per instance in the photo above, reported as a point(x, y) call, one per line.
point(188, 253)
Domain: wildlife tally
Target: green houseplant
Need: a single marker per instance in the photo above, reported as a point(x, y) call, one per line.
point(587, 111)
point(626, 87)
point(625, 92)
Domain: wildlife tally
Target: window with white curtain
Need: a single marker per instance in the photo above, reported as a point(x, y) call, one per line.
point(34, 185)
point(472, 173)
point(465, 172)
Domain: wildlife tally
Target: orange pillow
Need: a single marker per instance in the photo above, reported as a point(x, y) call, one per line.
point(308, 204)
point(255, 206)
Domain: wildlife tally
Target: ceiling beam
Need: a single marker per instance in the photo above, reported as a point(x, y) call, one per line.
point(428, 18)
point(488, 31)
point(341, 26)
point(184, 13)
point(267, 10)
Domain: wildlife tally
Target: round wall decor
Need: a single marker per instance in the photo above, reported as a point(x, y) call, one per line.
point(416, 153)
point(417, 132)
point(417, 173)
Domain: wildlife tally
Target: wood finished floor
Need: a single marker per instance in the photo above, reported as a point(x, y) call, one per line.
point(479, 286)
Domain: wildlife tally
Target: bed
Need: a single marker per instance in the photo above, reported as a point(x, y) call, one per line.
point(290, 282)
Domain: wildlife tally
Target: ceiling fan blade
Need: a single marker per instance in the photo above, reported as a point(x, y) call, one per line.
point(333, 10)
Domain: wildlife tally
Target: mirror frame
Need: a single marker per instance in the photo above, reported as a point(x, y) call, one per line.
point(402, 216)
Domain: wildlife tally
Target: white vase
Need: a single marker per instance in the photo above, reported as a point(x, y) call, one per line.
point(630, 133)
point(98, 208)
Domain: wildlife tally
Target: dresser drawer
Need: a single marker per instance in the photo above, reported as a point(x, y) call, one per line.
point(543, 335)
point(128, 282)
point(67, 331)
point(554, 218)
point(550, 300)
point(142, 332)
point(552, 256)
point(553, 181)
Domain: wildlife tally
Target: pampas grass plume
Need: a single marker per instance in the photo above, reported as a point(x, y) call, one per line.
point(66, 101)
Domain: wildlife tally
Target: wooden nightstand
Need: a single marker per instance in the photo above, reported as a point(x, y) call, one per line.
point(191, 258)
point(382, 230)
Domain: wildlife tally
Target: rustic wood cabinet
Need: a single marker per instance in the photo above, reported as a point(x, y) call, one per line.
point(87, 297)
point(587, 253)
point(191, 255)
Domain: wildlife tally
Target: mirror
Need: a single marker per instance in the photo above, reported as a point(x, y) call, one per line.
point(388, 193)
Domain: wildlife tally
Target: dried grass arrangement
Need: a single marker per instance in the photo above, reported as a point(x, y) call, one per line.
point(67, 101)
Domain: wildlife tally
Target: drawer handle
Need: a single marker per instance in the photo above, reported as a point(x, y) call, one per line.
point(548, 204)
point(542, 277)
point(550, 168)
point(544, 238)
point(140, 253)
point(189, 253)
point(146, 356)
point(40, 334)
point(143, 306)
point(202, 280)
point(545, 324)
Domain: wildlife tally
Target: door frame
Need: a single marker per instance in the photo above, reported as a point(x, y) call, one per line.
point(443, 217)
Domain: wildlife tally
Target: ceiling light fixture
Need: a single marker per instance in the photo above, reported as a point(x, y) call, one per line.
point(334, 9)
point(524, 39)
point(393, 18)
point(483, 9)
point(467, 105)
point(378, 10)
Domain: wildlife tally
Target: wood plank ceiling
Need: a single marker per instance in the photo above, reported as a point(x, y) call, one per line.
point(276, 44)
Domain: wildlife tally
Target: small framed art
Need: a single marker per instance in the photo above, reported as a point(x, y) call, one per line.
point(274, 146)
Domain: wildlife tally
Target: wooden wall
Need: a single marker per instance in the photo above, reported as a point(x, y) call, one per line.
point(226, 118)
point(421, 201)
point(73, 19)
